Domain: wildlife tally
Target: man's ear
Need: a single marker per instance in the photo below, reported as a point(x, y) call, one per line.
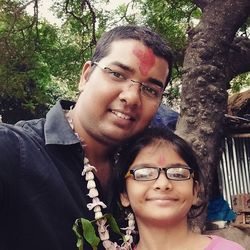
point(86, 69)
point(124, 199)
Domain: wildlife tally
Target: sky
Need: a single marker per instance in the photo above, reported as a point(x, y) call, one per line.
point(44, 11)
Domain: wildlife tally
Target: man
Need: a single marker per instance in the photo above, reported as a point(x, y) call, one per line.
point(42, 190)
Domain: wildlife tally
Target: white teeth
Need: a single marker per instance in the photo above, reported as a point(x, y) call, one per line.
point(121, 115)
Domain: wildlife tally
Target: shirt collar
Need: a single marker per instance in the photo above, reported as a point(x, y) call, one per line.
point(57, 129)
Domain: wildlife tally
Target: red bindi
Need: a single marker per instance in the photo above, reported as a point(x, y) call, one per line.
point(147, 59)
point(161, 160)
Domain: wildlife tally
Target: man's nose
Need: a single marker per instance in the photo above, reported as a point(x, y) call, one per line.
point(131, 93)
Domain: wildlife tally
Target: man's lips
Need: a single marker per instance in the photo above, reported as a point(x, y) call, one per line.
point(123, 115)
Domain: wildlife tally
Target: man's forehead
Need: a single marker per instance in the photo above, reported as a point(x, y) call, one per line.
point(126, 44)
point(146, 59)
point(144, 55)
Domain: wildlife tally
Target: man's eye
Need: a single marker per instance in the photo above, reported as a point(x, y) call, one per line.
point(117, 75)
point(149, 91)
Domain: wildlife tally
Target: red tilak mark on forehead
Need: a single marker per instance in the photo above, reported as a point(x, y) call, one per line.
point(161, 160)
point(147, 59)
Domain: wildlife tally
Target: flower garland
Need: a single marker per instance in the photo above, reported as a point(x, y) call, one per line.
point(83, 227)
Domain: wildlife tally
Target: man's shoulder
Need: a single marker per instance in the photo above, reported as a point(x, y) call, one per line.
point(19, 140)
point(22, 129)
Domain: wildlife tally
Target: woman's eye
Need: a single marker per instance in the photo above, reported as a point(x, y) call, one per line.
point(178, 175)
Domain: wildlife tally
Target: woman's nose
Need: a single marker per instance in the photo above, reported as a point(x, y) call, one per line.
point(163, 182)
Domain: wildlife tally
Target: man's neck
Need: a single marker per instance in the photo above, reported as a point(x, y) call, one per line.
point(97, 152)
point(99, 155)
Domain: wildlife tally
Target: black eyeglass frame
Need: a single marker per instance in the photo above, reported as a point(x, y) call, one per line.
point(131, 172)
point(141, 84)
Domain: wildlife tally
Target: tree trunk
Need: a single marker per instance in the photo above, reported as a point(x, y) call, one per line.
point(206, 79)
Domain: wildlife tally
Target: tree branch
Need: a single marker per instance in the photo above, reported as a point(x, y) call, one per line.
point(93, 41)
point(201, 3)
point(82, 20)
point(16, 13)
point(239, 57)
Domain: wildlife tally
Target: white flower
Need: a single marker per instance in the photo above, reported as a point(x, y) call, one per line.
point(101, 222)
point(88, 168)
point(98, 215)
point(89, 176)
point(93, 192)
point(91, 184)
point(103, 233)
point(95, 203)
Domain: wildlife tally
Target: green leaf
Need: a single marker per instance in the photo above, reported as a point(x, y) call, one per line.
point(89, 233)
point(84, 230)
point(77, 229)
point(113, 224)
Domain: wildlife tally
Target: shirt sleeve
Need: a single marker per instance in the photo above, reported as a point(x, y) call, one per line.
point(219, 243)
point(9, 162)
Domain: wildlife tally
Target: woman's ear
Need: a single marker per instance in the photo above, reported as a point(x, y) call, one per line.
point(85, 75)
point(196, 190)
point(124, 199)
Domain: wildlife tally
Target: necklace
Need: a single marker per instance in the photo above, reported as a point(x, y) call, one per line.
point(83, 227)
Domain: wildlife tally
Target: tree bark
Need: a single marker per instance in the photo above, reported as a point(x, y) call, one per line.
point(211, 61)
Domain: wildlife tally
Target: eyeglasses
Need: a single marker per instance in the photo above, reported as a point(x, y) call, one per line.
point(151, 91)
point(176, 172)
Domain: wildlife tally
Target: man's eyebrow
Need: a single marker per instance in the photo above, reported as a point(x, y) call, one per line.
point(127, 68)
point(156, 82)
point(123, 66)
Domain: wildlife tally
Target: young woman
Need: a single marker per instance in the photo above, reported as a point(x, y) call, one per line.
point(159, 181)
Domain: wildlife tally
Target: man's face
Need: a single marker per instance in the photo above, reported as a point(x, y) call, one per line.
point(112, 108)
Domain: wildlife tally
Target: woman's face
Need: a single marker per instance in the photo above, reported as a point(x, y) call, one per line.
point(161, 201)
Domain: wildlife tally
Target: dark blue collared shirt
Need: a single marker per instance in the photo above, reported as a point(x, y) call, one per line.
point(42, 191)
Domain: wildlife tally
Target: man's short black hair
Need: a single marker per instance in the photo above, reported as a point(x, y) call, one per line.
point(140, 33)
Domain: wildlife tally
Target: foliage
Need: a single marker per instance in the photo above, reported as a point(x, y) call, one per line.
point(18, 61)
point(239, 82)
point(41, 63)
point(84, 230)
point(172, 19)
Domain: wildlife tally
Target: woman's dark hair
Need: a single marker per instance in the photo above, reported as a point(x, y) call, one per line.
point(148, 37)
point(130, 149)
